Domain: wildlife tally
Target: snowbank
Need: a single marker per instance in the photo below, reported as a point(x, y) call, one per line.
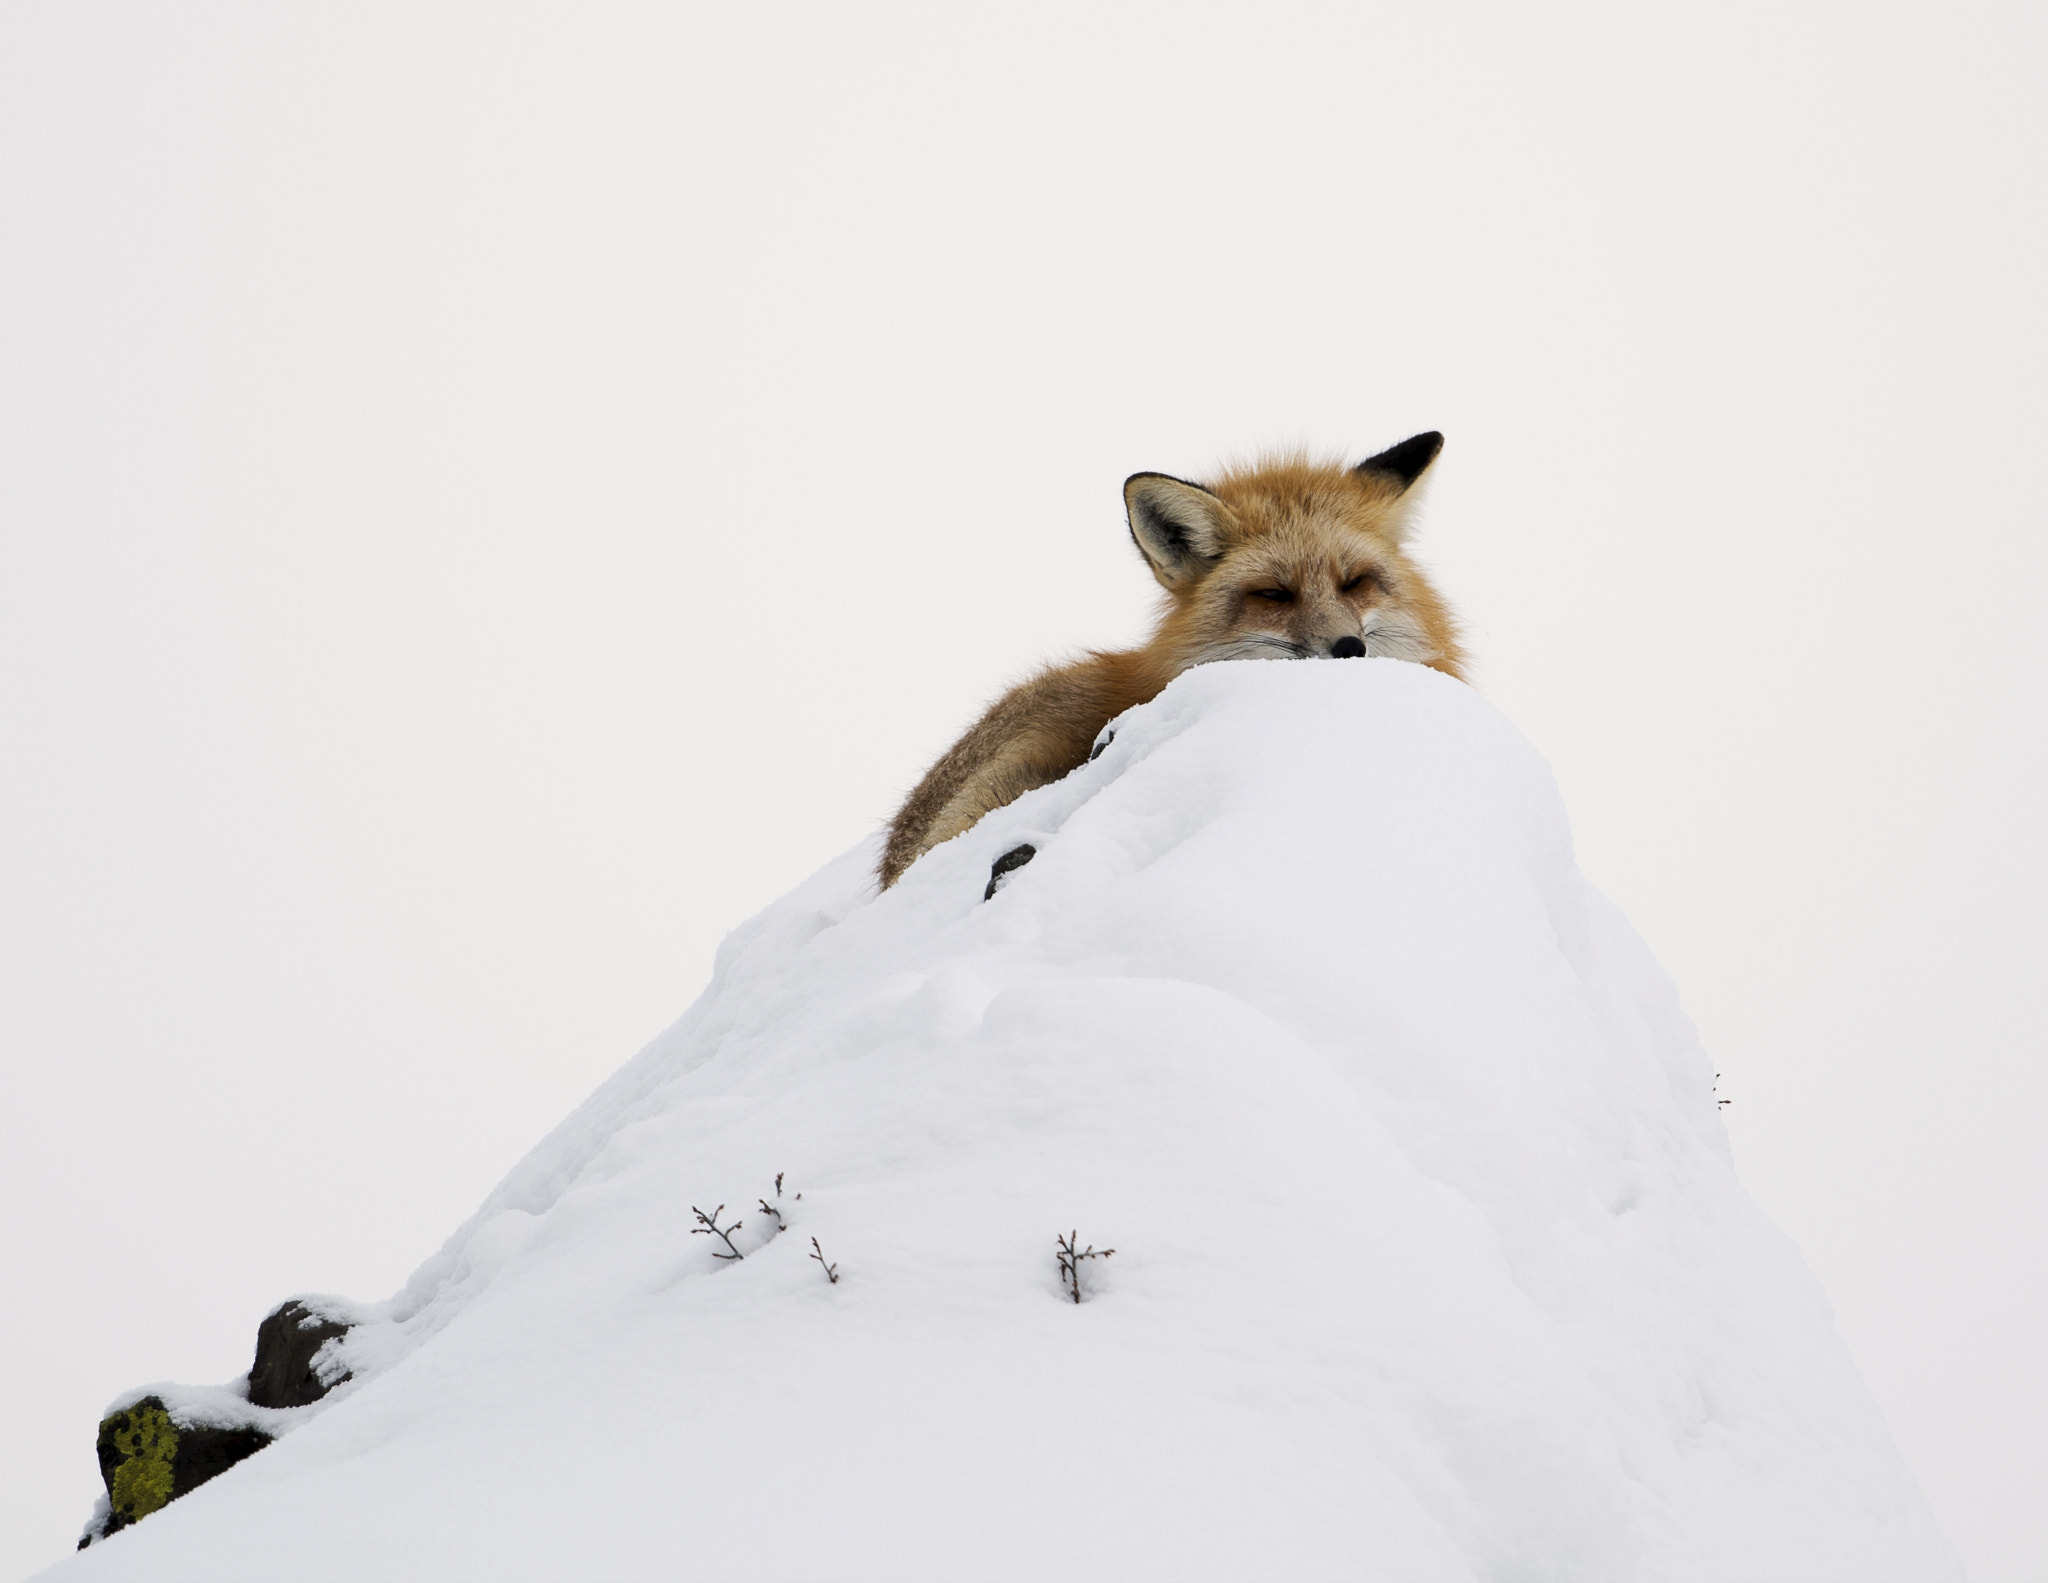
point(1430, 1259)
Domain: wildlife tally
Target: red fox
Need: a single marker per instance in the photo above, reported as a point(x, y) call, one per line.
point(1287, 560)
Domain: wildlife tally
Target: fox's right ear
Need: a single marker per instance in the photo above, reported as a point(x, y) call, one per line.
point(1180, 528)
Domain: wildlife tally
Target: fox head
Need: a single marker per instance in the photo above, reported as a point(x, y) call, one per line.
point(1293, 560)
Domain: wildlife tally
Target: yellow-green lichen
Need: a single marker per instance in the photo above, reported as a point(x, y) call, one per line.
point(146, 1442)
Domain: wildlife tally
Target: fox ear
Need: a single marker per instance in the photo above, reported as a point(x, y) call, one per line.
point(1400, 465)
point(1180, 528)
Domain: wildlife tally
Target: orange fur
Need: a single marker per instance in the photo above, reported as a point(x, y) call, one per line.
point(1328, 538)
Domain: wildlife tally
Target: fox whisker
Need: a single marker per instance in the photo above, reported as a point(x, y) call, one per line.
point(1386, 640)
point(1256, 648)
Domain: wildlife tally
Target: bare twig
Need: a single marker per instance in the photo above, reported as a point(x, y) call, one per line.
point(775, 1209)
point(1071, 1255)
point(708, 1225)
point(831, 1270)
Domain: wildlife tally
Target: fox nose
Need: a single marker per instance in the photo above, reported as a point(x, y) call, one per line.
point(1346, 648)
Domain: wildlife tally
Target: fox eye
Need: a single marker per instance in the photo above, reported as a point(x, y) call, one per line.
point(1279, 596)
point(1357, 582)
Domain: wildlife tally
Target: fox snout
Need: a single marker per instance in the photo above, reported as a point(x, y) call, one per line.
point(1347, 648)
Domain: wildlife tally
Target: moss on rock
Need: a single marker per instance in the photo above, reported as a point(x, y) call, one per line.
point(148, 1459)
point(152, 1452)
point(138, 1453)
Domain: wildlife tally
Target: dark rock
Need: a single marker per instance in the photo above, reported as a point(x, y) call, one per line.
point(1011, 860)
point(147, 1460)
point(283, 1374)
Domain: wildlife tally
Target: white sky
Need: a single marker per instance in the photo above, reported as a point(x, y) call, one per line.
point(492, 496)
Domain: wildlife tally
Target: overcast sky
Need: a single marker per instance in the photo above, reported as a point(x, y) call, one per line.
point(491, 496)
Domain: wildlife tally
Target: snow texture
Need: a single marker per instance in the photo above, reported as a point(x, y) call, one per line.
point(1431, 1261)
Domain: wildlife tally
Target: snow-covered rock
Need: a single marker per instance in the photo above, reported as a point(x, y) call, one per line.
point(1430, 1258)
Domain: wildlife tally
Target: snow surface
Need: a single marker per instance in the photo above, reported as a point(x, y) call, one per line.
point(1430, 1262)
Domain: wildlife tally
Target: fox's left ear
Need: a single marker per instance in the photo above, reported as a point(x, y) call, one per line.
point(1396, 471)
point(1400, 465)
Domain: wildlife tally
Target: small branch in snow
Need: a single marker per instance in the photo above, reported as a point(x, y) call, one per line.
point(1071, 1255)
point(772, 1209)
point(1721, 1104)
point(709, 1226)
point(831, 1270)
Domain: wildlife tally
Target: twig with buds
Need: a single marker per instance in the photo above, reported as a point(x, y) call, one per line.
point(708, 1226)
point(1071, 1255)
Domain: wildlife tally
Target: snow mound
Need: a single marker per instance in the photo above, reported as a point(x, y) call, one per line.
point(1430, 1258)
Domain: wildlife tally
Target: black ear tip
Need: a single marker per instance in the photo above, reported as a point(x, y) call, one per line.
point(1405, 462)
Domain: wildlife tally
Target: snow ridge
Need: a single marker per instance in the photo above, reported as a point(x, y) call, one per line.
point(1431, 1259)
